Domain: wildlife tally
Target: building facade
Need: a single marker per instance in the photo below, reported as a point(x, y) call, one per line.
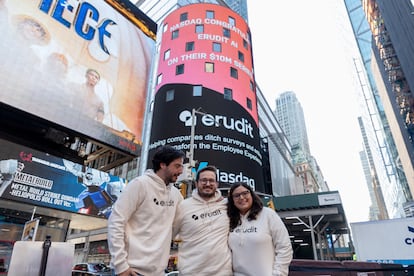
point(289, 114)
point(378, 210)
point(284, 180)
point(386, 95)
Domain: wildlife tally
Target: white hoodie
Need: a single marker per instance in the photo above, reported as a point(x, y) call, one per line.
point(140, 226)
point(261, 246)
point(203, 227)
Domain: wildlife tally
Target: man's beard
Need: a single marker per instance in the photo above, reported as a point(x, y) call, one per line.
point(206, 195)
point(172, 179)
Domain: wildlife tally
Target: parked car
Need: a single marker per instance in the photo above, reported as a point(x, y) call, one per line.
point(88, 269)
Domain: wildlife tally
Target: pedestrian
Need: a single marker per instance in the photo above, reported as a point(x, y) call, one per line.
point(140, 226)
point(258, 239)
point(203, 226)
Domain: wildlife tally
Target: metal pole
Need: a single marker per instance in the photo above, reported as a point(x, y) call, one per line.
point(191, 154)
point(315, 255)
point(33, 213)
point(46, 245)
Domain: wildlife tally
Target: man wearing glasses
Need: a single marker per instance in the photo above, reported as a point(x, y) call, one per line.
point(203, 226)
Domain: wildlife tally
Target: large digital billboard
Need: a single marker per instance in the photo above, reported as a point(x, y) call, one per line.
point(38, 178)
point(79, 64)
point(209, 45)
point(205, 70)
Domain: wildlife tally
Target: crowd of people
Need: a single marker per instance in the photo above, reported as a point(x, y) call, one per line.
point(233, 235)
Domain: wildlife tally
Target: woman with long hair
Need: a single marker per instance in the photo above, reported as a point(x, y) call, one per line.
point(258, 238)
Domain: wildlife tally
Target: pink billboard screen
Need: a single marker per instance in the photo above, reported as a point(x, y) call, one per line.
point(209, 45)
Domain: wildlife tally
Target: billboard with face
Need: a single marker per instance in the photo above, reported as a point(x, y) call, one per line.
point(79, 64)
point(206, 65)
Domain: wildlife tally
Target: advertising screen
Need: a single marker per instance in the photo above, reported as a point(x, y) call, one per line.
point(40, 179)
point(209, 45)
point(224, 136)
point(79, 64)
point(205, 65)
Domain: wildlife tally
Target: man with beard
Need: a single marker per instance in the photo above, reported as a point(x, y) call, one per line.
point(203, 226)
point(140, 226)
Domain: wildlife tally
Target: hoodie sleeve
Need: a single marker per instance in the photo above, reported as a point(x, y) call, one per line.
point(177, 220)
point(125, 206)
point(281, 242)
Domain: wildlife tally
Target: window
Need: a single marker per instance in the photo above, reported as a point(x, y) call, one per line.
point(232, 21)
point(245, 44)
point(197, 91)
point(251, 86)
point(210, 14)
point(189, 46)
point(249, 103)
point(199, 28)
point(159, 79)
point(169, 96)
point(226, 32)
point(165, 28)
point(228, 94)
point(234, 73)
point(167, 54)
point(174, 34)
point(241, 56)
point(209, 67)
point(216, 47)
point(183, 17)
point(179, 69)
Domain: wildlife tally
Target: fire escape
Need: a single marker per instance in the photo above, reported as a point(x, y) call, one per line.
point(401, 91)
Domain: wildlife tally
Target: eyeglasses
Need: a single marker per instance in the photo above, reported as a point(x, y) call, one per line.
point(239, 195)
point(206, 180)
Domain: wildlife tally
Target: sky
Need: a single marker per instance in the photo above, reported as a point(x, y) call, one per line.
point(308, 47)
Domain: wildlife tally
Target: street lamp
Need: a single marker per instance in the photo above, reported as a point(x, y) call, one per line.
point(190, 154)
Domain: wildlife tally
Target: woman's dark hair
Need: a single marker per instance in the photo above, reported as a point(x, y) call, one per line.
point(165, 154)
point(234, 213)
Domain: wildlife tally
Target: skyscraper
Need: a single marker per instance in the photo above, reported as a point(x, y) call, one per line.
point(289, 114)
point(383, 45)
point(378, 209)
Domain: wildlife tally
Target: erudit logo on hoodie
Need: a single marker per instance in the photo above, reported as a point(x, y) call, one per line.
point(164, 203)
point(206, 214)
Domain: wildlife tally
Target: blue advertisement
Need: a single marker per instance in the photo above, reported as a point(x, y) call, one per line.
point(37, 178)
